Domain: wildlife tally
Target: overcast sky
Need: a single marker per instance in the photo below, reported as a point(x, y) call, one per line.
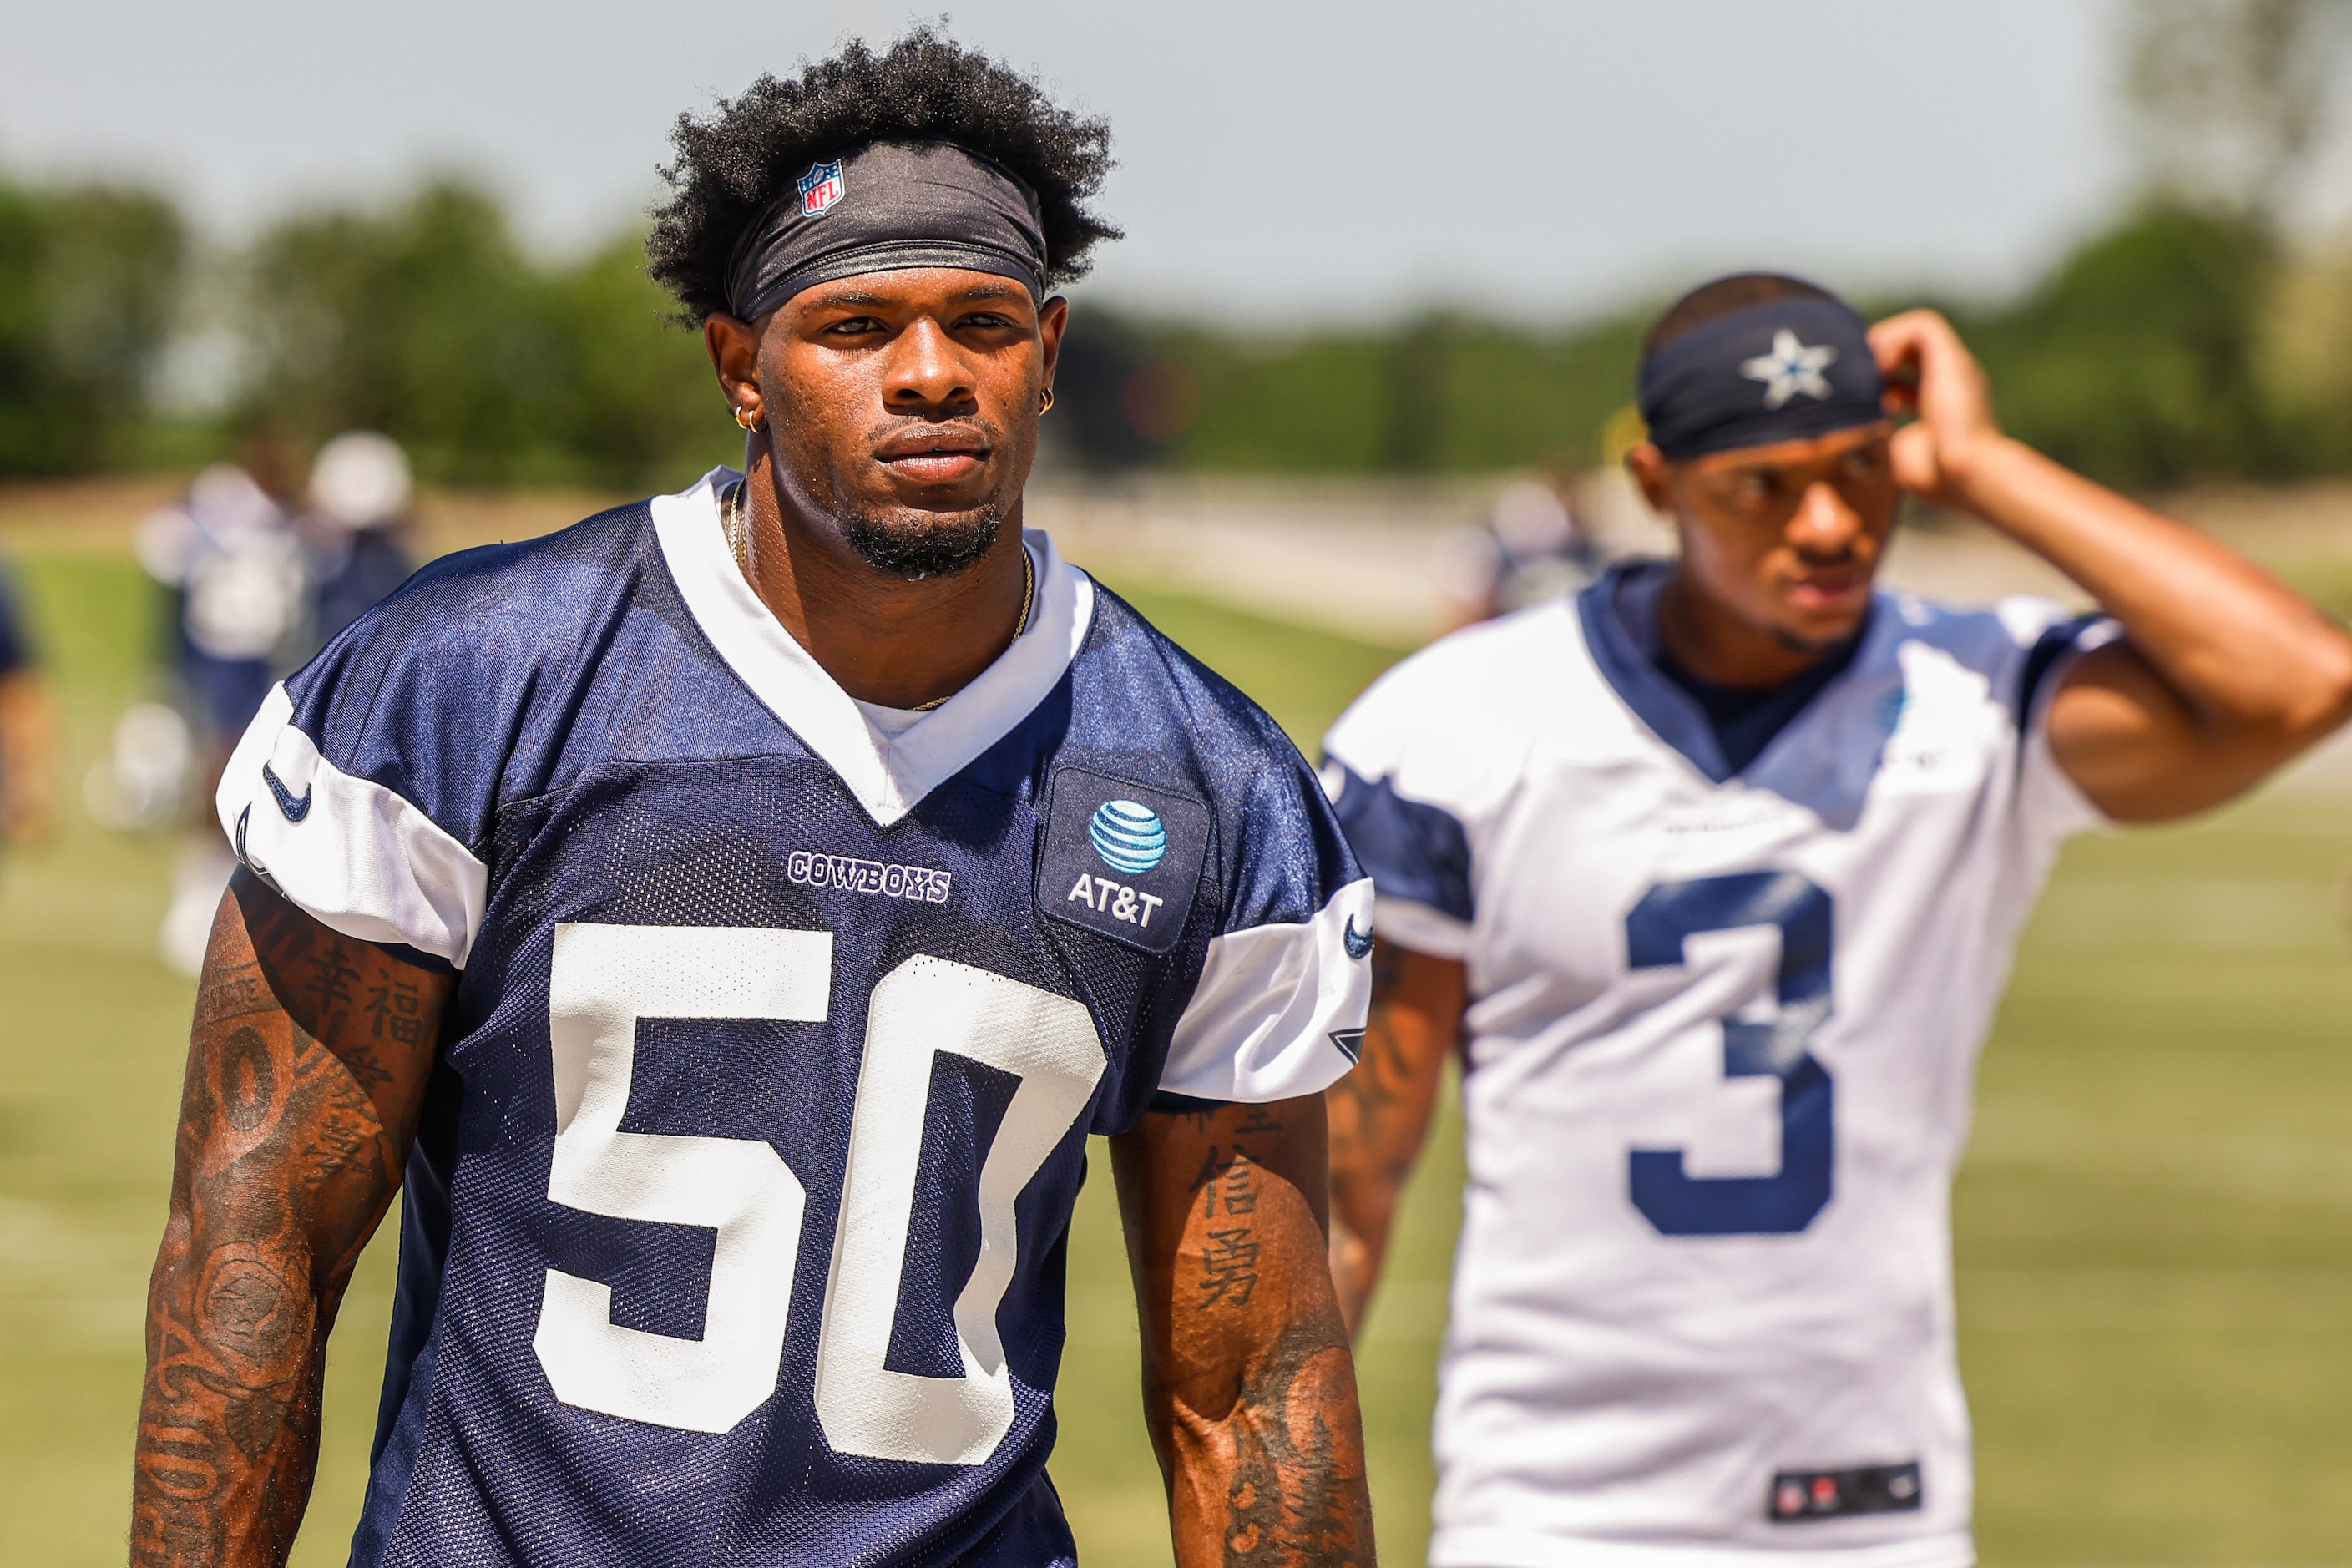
point(1276, 157)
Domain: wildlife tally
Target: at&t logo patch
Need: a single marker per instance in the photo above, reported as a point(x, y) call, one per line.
point(1129, 837)
point(1121, 859)
point(1115, 900)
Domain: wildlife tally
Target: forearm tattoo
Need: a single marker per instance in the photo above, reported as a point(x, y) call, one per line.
point(306, 1067)
point(1295, 1490)
point(1253, 1389)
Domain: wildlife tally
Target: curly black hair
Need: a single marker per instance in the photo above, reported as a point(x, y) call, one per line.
point(923, 88)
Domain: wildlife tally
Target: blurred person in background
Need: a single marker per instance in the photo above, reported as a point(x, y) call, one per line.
point(1711, 876)
point(231, 563)
point(725, 922)
point(1531, 549)
point(356, 528)
point(27, 759)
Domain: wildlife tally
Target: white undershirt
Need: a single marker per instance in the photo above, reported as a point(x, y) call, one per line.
point(896, 722)
point(892, 721)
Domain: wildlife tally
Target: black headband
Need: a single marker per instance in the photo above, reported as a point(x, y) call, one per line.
point(1777, 371)
point(882, 207)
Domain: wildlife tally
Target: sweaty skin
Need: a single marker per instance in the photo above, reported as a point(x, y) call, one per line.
point(1248, 1385)
point(911, 398)
point(908, 400)
point(307, 1067)
point(2222, 673)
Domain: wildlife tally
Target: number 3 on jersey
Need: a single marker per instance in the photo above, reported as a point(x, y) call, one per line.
point(1679, 1204)
point(604, 980)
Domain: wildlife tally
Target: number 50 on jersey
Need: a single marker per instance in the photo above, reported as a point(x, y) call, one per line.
point(608, 978)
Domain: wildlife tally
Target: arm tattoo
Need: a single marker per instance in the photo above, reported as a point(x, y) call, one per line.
point(1248, 1377)
point(295, 1118)
point(1296, 1489)
point(1228, 1182)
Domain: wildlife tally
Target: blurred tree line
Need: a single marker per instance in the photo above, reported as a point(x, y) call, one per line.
point(2183, 343)
point(428, 321)
point(88, 293)
point(424, 318)
point(2180, 343)
point(2189, 340)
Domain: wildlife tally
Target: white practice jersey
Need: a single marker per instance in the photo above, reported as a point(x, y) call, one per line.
point(1722, 1037)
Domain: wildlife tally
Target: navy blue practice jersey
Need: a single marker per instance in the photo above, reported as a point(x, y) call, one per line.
point(734, 1232)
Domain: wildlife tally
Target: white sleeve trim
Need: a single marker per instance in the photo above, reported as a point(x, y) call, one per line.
point(2059, 806)
point(1260, 1024)
point(359, 859)
point(1417, 926)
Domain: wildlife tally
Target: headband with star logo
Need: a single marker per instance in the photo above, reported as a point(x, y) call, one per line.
point(1781, 370)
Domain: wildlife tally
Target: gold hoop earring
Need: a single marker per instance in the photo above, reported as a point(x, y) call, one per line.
point(745, 417)
point(1047, 407)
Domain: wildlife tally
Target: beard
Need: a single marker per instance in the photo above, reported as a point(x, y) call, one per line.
point(1796, 644)
point(913, 545)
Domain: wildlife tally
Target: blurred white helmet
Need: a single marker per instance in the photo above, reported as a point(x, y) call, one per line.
point(222, 506)
point(1530, 519)
point(142, 782)
point(361, 479)
point(226, 500)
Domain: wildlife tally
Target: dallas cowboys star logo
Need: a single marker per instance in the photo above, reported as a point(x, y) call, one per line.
point(1790, 368)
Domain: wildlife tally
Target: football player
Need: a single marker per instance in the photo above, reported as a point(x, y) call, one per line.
point(728, 919)
point(27, 749)
point(1712, 874)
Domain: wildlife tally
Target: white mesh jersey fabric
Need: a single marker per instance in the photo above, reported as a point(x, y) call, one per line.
point(1722, 1038)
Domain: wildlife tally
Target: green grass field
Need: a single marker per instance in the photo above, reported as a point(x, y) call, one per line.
point(2155, 1226)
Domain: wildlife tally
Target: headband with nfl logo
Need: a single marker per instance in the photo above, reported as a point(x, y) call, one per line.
point(1781, 370)
point(881, 207)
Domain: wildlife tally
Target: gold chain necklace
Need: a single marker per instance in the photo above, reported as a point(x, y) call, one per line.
point(739, 545)
point(1028, 599)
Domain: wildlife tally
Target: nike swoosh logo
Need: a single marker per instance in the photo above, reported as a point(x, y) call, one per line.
point(243, 819)
point(1357, 942)
point(295, 807)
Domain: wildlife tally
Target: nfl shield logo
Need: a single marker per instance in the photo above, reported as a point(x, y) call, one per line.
point(820, 188)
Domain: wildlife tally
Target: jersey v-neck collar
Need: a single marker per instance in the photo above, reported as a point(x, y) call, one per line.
point(1618, 615)
point(889, 777)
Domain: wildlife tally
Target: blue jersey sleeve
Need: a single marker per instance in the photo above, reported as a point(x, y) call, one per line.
point(1415, 852)
point(367, 788)
point(1409, 767)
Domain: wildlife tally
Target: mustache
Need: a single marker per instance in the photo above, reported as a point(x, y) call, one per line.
point(972, 425)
